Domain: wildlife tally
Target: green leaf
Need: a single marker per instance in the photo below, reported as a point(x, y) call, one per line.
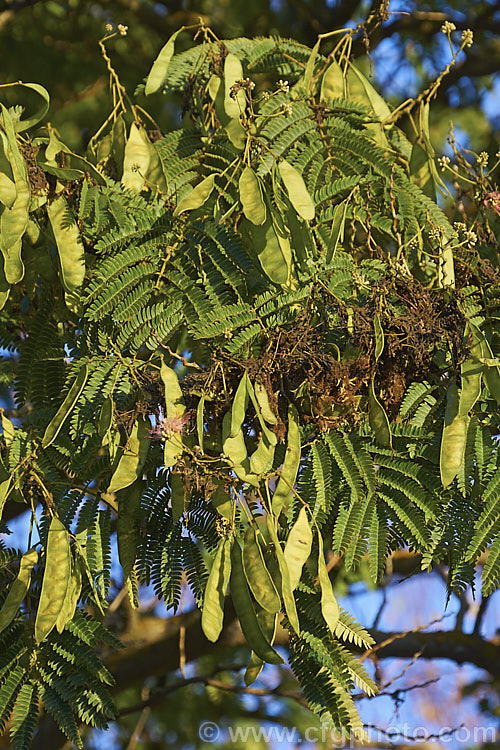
point(54, 426)
point(159, 71)
point(297, 191)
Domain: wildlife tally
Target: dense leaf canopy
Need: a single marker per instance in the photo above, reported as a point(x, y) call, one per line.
point(238, 346)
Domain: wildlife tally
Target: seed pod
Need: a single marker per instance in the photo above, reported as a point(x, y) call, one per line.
point(257, 575)
point(56, 578)
point(212, 615)
point(298, 547)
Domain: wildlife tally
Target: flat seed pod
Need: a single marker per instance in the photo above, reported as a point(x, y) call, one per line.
point(174, 399)
point(197, 197)
point(70, 248)
point(378, 419)
point(233, 72)
point(199, 420)
point(18, 589)
point(333, 84)
point(471, 375)
point(8, 192)
point(251, 198)
point(240, 404)
point(491, 373)
point(56, 576)
point(267, 622)
point(362, 91)
point(129, 501)
point(379, 337)
point(261, 459)
point(159, 70)
point(298, 547)
point(177, 495)
point(257, 575)
point(133, 456)
point(212, 615)
point(118, 143)
point(454, 437)
point(136, 158)
point(286, 588)
point(245, 611)
point(297, 191)
point(283, 493)
point(274, 258)
point(14, 220)
point(54, 426)
point(71, 600)
point(262, 397)
point(329, 605)
point(337, 233)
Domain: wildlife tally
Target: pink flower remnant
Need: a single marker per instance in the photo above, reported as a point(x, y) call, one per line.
point(492, 200)
point(168, 426)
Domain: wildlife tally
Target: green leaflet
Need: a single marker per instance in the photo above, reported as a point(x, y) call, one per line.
point(197, 197)
point(378, 418)
point(159, 71)
point(297, 191)
point(18, 589)
point(333, 85)
point(471, 373)
point(245, 611)
point(56, 577)
point(329, 605)
point(286, 588)
point(258, 577)
point(233, 72)
point(298, 547)
point(267, 622)
point(70, 248)
point(54, 426)
point(251, 198)
point(454, 437)
point(212, 614)
point(283, 493)
point(136, 159)
point(133, 456)
point(379, 337)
